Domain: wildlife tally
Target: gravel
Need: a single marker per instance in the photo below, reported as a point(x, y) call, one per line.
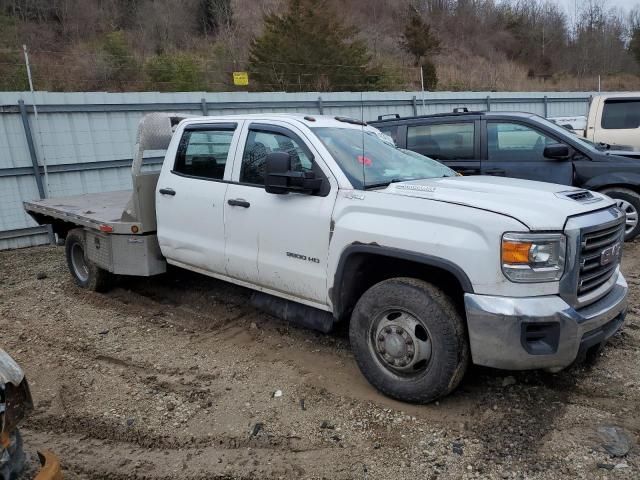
point(173, 377)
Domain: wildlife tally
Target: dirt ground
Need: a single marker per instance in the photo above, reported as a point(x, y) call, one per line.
point(174, 377)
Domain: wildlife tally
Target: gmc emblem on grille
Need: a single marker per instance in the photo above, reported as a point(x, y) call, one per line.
point(608, 255)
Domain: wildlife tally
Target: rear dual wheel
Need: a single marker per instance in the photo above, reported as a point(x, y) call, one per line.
point(409, 340)
point(85, 273)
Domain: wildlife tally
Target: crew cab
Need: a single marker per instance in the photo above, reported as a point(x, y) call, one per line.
point(521, 145)
point(328, 221)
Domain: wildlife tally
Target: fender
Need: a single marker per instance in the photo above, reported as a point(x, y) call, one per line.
point(17, 399)
point(628, 179)
point(10, 371)
point(374, 249)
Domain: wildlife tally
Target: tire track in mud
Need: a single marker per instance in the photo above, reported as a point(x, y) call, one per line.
point(99, 428)
point(90, 457)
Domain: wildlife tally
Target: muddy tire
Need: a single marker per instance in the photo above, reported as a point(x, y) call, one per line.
point(85, 273)
point(409, 340)
point(629, 202)
point(16, 458)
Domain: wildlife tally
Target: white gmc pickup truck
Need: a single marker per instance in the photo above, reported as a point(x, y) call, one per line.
point(327, 221)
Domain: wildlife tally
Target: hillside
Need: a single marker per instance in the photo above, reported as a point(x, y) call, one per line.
point(126, 45)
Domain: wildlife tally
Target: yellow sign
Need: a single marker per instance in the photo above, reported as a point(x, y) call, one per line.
point(240, 78)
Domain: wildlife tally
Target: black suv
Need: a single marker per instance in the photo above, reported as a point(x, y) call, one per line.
point(520, 145)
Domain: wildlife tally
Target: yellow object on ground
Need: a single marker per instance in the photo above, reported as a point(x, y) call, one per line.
point(51, 468)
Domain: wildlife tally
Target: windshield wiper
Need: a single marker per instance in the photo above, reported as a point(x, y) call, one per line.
point(386, 183)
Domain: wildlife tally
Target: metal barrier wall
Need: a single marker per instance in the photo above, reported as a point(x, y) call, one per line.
point(83, 142)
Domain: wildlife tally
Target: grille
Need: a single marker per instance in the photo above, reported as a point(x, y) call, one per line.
point(593, 274)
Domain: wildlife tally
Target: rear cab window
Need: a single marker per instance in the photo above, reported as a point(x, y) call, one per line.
point(443, 141)
point(618, 114)
point(203, 151)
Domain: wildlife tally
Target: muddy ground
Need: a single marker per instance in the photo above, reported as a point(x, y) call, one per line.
point(175, 377)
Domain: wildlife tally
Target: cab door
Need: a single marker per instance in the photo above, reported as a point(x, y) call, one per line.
point(279, 242)
point(190, 196)
point(515, 149)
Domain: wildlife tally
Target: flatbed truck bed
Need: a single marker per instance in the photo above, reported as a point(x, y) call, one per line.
point(117, 228)
point(98, 211)
point(118, 246)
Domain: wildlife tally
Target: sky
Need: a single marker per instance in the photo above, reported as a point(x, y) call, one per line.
point(625, 4)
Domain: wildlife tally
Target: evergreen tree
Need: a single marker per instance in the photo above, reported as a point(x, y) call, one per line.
point(14, 72)
point(174, 72)
point(421, 43)
point(117, 59)
point(309, 48)
point(634, 44)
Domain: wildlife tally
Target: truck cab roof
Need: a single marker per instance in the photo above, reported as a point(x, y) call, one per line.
point(308, 120)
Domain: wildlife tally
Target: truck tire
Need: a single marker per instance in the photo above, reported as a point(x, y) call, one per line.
point(15, 458)
point(409, 340)
point(629, 202)
point(85, 273)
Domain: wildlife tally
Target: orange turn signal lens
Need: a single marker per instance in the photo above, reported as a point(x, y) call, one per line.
point(515, 252)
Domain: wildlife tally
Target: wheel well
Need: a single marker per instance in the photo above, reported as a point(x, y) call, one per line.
point(634, 188)
point(60, 227)
point(361, 271)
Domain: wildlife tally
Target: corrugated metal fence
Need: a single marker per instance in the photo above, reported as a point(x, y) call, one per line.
point(86, 139)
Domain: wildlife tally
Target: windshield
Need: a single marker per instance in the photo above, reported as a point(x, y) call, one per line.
point(596, 146)
point(369, 160)
point(564, 133)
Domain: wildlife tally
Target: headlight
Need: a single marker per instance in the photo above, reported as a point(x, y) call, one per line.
point(533, 257)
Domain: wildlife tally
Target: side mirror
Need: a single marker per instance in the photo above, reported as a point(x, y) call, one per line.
point(280, 178)
point(556, 151)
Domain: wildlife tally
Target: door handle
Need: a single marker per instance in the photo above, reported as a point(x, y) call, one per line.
point(495, 171)
point(167, 191)
point(238, 202)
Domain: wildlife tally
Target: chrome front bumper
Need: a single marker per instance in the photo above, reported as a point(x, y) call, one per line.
point(540, 332)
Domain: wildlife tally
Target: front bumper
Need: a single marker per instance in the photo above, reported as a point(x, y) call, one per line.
point(540, 332)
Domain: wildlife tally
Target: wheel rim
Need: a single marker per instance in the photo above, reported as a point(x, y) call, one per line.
point(631, 213)
point(401, 342)
point(80, 267)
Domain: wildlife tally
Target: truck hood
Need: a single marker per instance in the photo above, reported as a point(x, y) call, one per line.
point(538, 205)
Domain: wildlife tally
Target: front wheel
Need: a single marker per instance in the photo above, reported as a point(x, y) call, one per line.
point(629, 203)
point(85, 273)
point(409, 340)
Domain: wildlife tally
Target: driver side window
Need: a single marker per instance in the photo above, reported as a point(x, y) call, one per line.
point(259, 144)
point(508, 141)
